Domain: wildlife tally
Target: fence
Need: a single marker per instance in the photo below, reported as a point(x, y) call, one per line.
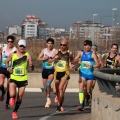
point(108, 81)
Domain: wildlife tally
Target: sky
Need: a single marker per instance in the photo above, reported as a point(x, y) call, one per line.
point(58, 13)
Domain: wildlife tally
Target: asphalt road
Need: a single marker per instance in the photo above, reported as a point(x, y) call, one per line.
point(32, 108)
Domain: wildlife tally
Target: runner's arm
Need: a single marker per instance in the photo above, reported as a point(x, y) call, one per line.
point(54, 56)
point(71, 56)
point(118, 60)
point(105, 59)
point(78, 56)
point(7, 63)
point(8, 60)
point(71, 66)
point(101, 61)
point(94, 56)
point(41, 56)
point(29, 59)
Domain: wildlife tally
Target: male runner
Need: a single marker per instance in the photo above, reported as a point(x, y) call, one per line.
point(112, 59)
point(48, 69)
point(89, 61)
point(4, 53)
point(100, 61)
point(19, 76)
point(62, 58)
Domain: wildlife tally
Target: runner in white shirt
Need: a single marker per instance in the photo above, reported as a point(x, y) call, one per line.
point(48, 69)
point(4, 53)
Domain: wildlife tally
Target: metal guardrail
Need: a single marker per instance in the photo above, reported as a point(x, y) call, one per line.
point(107, 80)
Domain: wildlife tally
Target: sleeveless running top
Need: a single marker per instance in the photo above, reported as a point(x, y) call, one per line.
point(45, 63)
point(19, 66)
point(5, 54)
point(86, 60)
point(110, 62)
point(62, 65)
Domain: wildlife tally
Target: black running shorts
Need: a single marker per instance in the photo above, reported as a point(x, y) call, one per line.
point(4, 72)
point(47, 72)
point(19, 83)
point(59, 75)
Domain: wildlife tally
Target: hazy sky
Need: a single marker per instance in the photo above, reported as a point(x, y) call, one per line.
point(57, 13)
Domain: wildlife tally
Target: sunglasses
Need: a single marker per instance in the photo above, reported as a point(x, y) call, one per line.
point(10, 41)
point(22, 46)
point(62, 44)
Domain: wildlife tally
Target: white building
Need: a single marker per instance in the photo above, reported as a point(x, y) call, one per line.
point(31, 26)
point(14, 29)
point(59, 30)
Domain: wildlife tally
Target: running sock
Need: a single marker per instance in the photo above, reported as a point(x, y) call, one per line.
point(17, 105)
point(90, 96)
point(81, 98)
point(8, 98)
point(58, 108)
point(3, 90)
point(48, 98)
point(61, 104)
point(87, 98)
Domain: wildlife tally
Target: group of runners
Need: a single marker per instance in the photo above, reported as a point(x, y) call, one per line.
point(56, 65)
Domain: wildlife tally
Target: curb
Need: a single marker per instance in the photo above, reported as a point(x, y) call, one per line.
point(41, 90)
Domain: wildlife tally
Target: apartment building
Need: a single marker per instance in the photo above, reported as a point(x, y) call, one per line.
point(43, 31)
point(87, 30)
point(14, 29)
point(32, 26)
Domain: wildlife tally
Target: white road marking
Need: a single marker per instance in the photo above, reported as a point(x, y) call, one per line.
point(40, 90)
point(48, 116)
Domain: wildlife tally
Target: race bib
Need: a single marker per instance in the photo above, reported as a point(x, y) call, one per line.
point(61, 64)
point(49, 65)
point(85, 64)
point(19, 71)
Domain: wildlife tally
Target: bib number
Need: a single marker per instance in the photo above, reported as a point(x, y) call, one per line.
point(61, 64)
point(49, 65)
point(19, 71)
point(85, 64)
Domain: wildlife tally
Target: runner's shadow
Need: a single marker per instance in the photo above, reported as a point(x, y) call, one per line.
point(40, 106)
point(32, 116)
point(74, 112)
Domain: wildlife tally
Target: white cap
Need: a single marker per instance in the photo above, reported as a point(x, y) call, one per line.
point(22, 42)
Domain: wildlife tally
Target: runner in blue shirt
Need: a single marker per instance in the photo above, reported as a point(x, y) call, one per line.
point(88, 61)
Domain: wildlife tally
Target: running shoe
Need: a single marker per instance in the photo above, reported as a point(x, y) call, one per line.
point(12, 101)
point(47, 105)
point(58, 109)
point(80, 108)
point(62, 108)
point(56, 99)
point(14, 115)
